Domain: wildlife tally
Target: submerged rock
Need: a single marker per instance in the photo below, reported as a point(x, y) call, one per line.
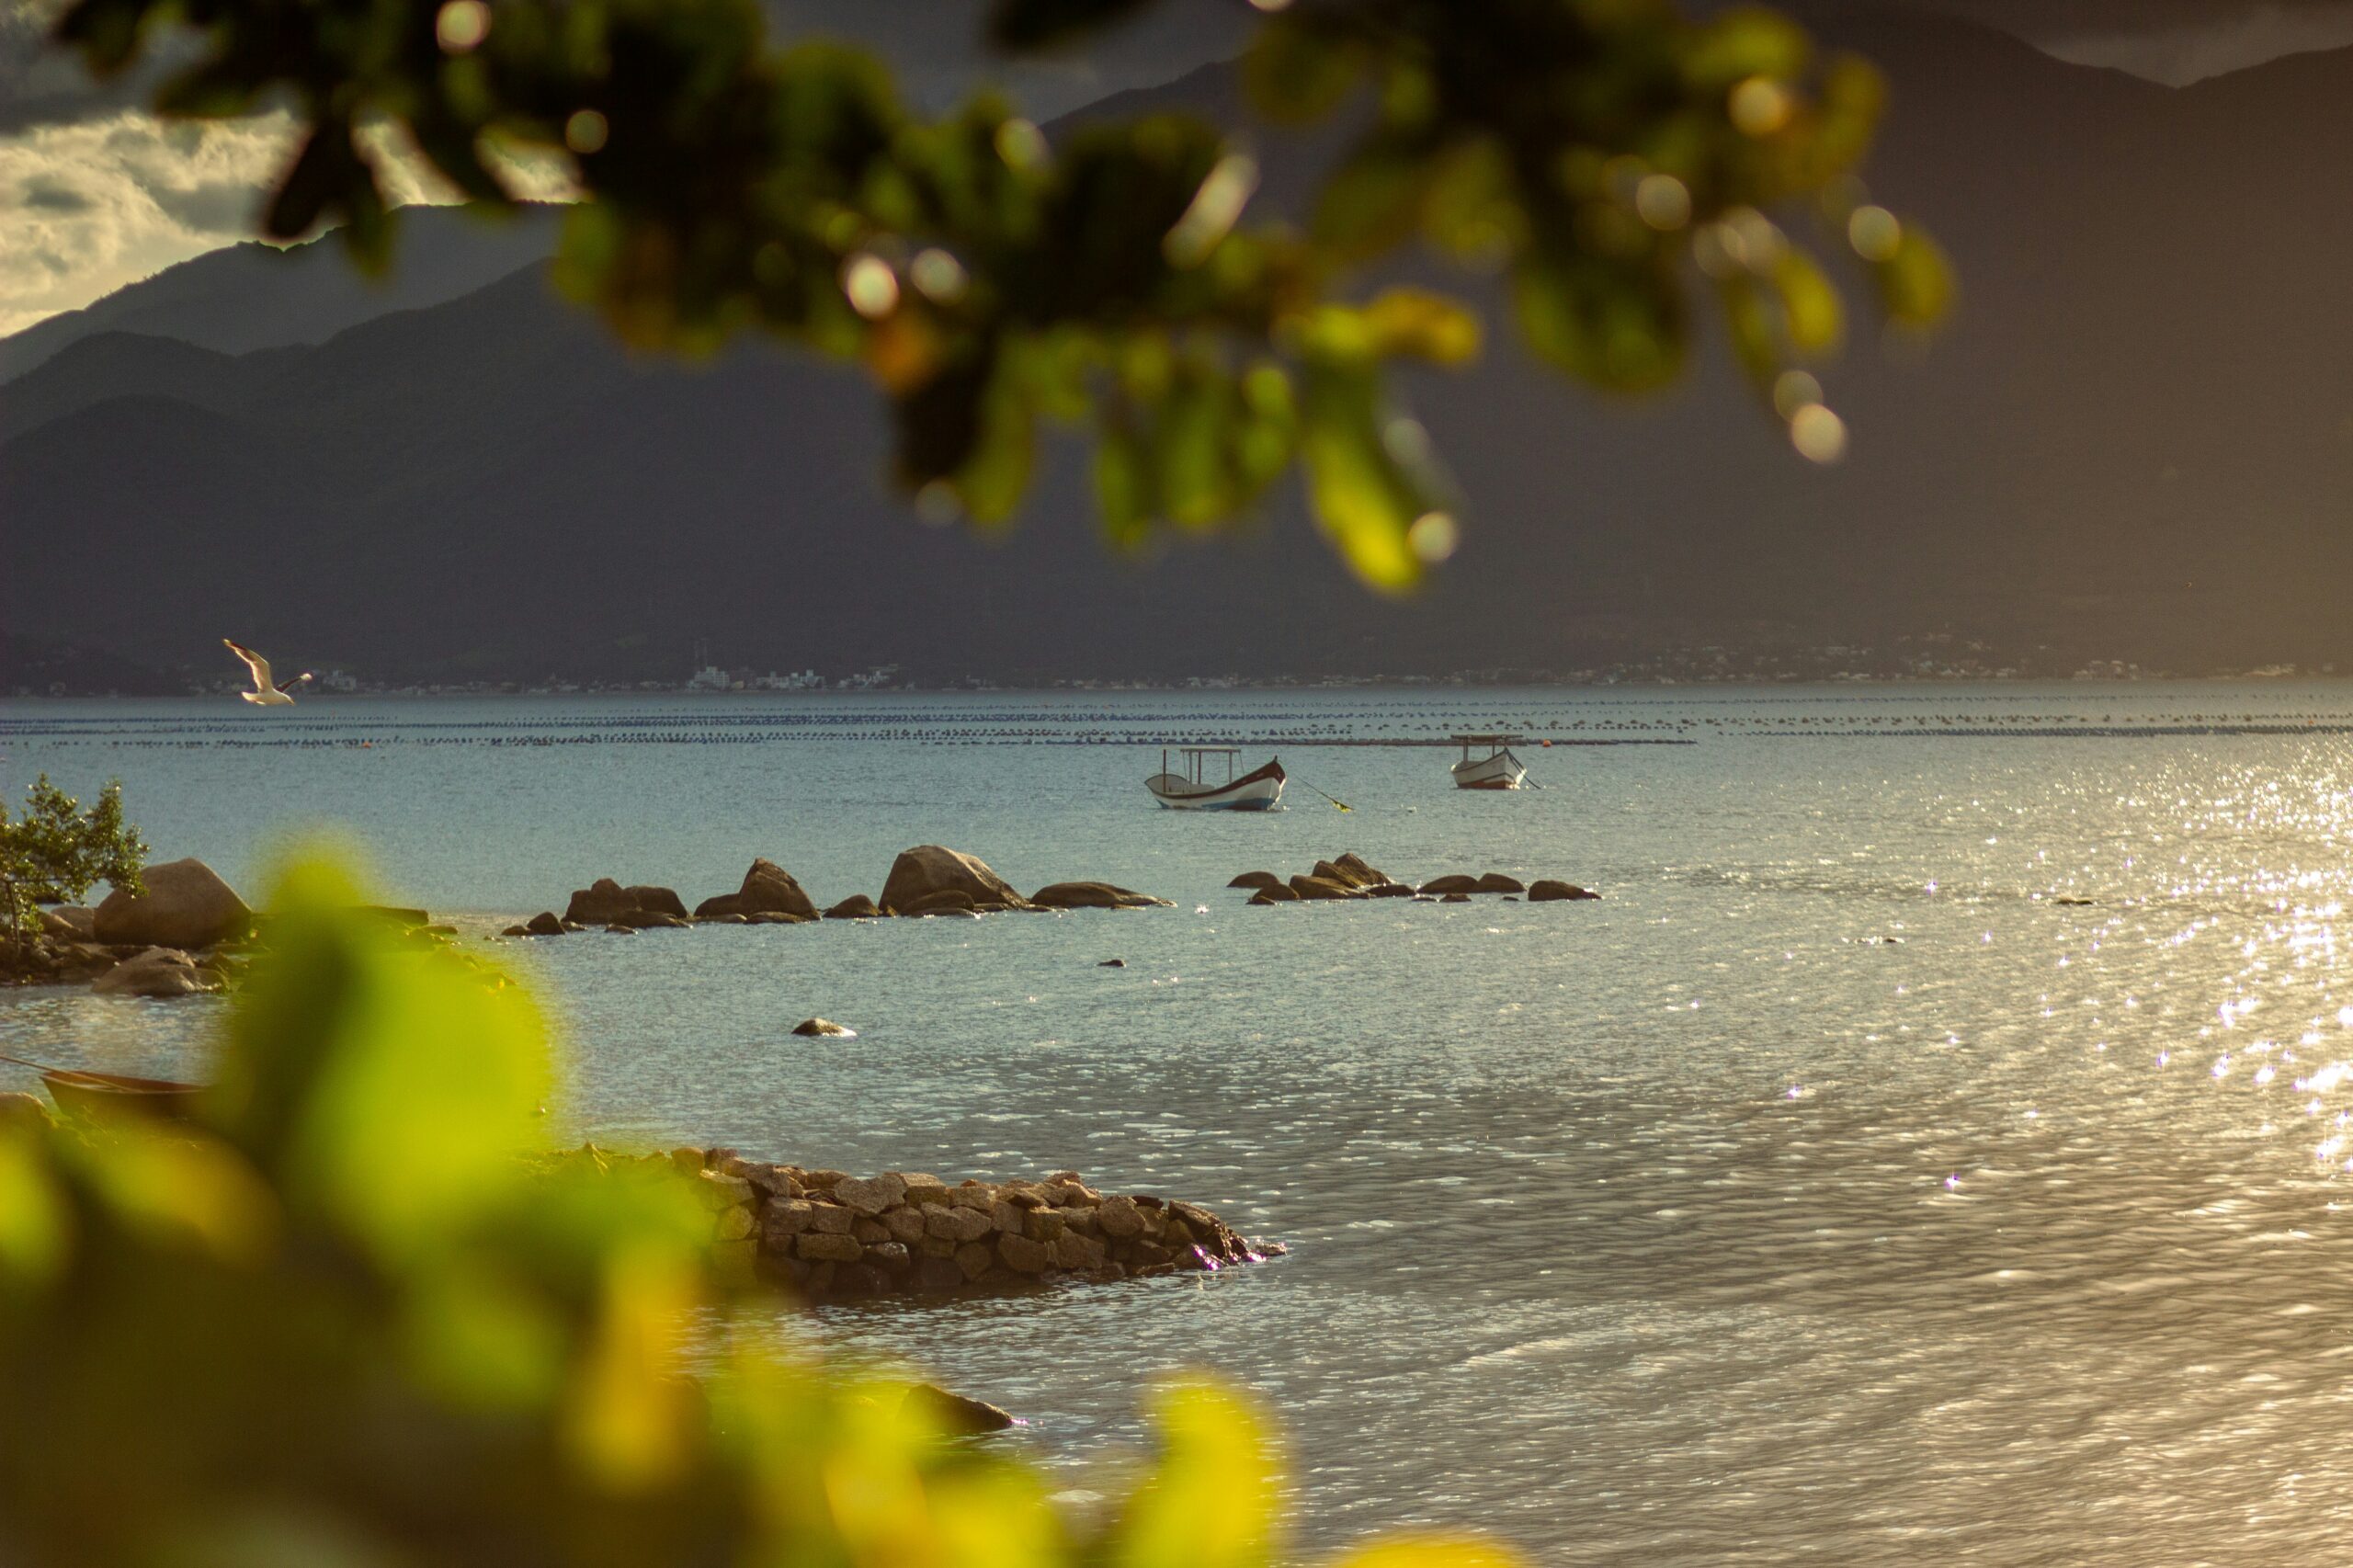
point(1547, 890)
point(186, 904)
point(823, 1027)
point(953, 1414)
point(857, 907)
point(1112, 963)
point(1094, 895)
point(1256, 880)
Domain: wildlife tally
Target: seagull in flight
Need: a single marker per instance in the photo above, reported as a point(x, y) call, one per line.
point(264, 694)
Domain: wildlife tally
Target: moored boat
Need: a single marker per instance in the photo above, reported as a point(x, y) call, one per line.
point(79, 1092)
point(1187, 788)
point(1499, 769)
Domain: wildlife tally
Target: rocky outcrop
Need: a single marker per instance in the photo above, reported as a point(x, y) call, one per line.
point(185, 904)
point(1094, 895)
point(768, 889)
point(857, 907)
point(827, 1233)
point(1259, 879)
point(605, 903)
point(1323, 888)
point(931, 869)
point(1547, 891)
point(158, 971)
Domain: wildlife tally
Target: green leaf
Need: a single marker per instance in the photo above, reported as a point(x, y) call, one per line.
point(1360, 498)
point(1810, 304)
point(1915, 284)
point(1211, 1501)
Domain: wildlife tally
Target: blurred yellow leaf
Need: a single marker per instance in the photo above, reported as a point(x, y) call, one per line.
point(1430, 1552)
point(1211, 1503)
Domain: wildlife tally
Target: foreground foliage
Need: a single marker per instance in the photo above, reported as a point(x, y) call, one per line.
point(344, 1320)
point(55, 851)
point(1615, 164)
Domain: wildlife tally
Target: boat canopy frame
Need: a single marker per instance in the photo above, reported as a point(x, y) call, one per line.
point(1498, 741)
point(1193, 757)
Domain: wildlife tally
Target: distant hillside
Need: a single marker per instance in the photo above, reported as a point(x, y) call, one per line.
point(2136, 442)
point(259, 296)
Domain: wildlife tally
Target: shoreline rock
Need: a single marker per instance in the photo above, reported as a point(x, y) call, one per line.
point(185, 904)
point(768, 888)
point(928, 869)
point(829, 1235)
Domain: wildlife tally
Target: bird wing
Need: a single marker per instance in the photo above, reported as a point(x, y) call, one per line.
point(259, 665)
point(291, 685)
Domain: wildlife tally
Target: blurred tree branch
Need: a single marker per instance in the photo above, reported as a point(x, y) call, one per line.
point(1617, 165)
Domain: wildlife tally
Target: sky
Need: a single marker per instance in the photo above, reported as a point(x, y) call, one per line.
point(95, 193)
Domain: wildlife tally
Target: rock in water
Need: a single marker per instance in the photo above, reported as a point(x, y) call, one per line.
point(1322, 887)
point(1260, 879)
point(953, 1414)
point(1366, 874)
point(599, 904)
point(929, 869)
point(1547, 891)
point(185, 905)
point(1453, 883)
point(823, 1027)
point(1094, 895)
point(158, 971)
point(947, 901)
point(1495, 881)
point(544, 924)
point(857, 907)
point(768, 889)
point(1281, 892)
point(1112, 963)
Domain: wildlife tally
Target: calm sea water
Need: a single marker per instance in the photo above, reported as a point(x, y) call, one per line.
point(1704, 1223)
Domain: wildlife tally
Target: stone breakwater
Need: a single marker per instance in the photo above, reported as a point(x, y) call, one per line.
point(831, 1236)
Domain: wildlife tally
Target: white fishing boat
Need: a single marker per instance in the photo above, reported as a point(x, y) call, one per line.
point(1499, 769)
point(1189, 786)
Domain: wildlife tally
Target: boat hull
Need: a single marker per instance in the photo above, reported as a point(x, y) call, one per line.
point(1259, 791)
point(1501, 771)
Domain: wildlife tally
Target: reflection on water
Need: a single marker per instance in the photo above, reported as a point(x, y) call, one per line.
point(1830, 1191)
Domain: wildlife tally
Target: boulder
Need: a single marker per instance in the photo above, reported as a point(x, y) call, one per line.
point(768, 889)
point(1367, 874)
point(1256, 880)
point(1454, 898)
point(1322, 887)
point(1357, 876)
point(653, 920)
point(1455, 882)
point(1112, 963)
point(929, 869)
point(515, 931)
point(947, 901)
point(1495, 881)
point(1389, 890)
point(1281, 892)
point(773, 918)
point(158, 971)
point(544, 924)
point(857, 907)
point(186, 904)
point(823, 1027)
point(952, 1413)
point(70, 923)
point(1094, 895)
point(1550, 892)
point(605, 903)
